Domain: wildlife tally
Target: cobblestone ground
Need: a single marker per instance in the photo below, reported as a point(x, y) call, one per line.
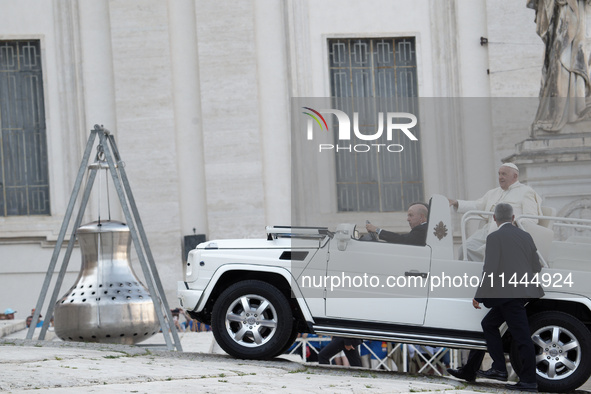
point(66, 367)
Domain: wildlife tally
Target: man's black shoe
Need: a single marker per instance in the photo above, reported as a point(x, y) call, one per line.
point(461, 374)
point(522, 386)
point(492, 374)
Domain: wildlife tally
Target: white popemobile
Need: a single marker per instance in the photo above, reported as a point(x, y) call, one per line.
point(259, 294)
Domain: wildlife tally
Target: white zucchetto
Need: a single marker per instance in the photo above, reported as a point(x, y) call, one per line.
point(510, 165)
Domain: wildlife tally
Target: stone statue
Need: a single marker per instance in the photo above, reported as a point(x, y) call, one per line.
point(565, 93)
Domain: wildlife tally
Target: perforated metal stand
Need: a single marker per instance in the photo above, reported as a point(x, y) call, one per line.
point(138, 236)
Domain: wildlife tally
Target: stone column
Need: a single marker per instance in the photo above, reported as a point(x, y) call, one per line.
point(186, 94)
point(97, 64)
point(272, 73)
point(98, 91)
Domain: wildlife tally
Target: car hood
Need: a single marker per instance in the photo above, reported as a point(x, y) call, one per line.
point(261, 244)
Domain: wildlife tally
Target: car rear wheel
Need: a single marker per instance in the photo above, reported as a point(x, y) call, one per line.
point(252, 320)
point(563, 351)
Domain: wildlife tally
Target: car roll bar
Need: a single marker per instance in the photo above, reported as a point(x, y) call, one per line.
point(562, 222)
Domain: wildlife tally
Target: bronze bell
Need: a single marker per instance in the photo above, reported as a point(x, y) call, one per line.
point(108, 303)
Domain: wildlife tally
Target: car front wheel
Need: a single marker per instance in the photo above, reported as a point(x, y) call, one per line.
point(252, 320)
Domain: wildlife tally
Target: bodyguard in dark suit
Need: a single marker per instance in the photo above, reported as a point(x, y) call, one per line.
point(417, 219)
point(510, 265)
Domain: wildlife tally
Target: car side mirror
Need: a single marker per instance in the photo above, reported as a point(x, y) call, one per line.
point(342, 237)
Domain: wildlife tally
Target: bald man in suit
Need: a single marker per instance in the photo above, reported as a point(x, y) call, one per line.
point(416, 217)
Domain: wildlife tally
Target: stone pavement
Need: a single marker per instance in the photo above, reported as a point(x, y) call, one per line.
point(70, 367)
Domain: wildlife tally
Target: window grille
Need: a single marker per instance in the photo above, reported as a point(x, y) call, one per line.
point(24, 180)
point(369, 76)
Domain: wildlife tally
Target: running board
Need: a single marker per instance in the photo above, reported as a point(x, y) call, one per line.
point(403, 337)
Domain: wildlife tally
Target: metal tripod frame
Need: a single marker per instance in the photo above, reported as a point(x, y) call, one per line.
point(136, 228)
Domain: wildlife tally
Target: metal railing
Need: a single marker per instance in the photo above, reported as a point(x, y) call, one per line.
point(557, 221)
point(470, 215)
point(563, 222)
point(432, 359)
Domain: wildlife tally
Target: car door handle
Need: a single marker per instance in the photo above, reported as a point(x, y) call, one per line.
point(416, 273)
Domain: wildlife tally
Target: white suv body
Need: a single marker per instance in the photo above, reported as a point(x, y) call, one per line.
point(259, 294)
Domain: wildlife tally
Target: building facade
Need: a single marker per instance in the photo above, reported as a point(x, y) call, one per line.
point(199, 96)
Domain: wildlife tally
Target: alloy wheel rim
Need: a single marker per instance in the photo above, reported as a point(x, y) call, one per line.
point(251, 320)
point(558, 352)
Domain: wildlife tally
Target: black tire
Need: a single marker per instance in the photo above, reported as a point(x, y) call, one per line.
point(563, 351)
point(247, 332)
point(290, 341)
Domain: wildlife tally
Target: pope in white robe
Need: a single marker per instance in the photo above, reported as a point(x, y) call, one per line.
point(523, 199)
